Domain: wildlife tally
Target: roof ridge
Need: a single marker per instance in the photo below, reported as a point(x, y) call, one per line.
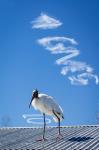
point(71, 126)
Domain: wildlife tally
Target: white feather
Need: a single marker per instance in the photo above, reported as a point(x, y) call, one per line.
point(46, 104)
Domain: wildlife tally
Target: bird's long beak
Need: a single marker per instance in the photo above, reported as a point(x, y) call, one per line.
point(31, 101)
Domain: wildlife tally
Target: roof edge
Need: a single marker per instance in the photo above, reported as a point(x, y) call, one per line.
point(73, 126)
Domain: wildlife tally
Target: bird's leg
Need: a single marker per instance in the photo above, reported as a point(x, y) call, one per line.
point(59, 126)
point(44, 128)
point(43, 138)
point(59, 133)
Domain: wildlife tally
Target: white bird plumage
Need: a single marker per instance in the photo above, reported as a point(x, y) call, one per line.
point(46, 105)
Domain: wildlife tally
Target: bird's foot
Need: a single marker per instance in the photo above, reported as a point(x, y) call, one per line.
point(60, 136)
point(41, 139)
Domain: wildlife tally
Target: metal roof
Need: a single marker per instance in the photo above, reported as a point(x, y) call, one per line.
point(74, 138)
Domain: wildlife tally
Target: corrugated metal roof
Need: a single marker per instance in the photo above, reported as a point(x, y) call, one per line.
point(74, 138)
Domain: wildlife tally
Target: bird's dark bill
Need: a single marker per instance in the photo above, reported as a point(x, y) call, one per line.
point(31, 102)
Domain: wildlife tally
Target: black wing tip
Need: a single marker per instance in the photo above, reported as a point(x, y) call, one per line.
point(62, 117)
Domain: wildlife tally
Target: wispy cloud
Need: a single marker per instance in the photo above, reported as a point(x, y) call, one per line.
point(75, 66)
point(67, 46)
point(57, 44)
point(45, 22)
point(35, 119)
point(83, 79)
point(60, 45)
point(72, 52)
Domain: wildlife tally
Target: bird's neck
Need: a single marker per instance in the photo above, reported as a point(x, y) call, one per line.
point(36, 98)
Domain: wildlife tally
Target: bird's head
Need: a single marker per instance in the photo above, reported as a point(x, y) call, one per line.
point(34, 95)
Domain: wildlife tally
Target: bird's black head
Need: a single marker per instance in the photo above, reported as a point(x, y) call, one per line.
point(34, 95)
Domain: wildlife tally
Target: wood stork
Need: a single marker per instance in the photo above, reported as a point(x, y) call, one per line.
point(46, 105)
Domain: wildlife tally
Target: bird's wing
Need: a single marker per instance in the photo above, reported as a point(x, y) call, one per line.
point(49, 102)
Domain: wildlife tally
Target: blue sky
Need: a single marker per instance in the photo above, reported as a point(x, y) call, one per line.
point(25, 64)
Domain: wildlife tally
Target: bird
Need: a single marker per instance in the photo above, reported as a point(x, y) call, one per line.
point(47, 106)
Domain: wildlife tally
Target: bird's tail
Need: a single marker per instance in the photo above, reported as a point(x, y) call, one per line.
point(58, 116)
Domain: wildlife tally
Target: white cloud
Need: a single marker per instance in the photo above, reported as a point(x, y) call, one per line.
point(72, 52)
point(57, 44)
point(45, 22)
point(75, 66)
point(83, 79)
point(65, 45)
point(35, 119)
point(77, 81)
